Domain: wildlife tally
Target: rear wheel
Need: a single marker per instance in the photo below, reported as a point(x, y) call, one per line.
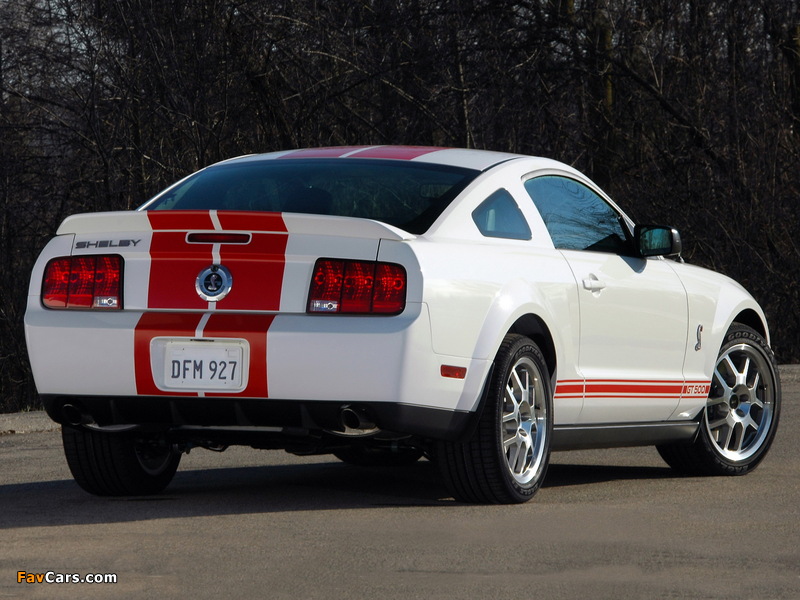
point(119, 464)
point(741, 415)
point(506, 458)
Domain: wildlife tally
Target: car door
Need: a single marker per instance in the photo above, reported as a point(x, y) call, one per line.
point(633, 311)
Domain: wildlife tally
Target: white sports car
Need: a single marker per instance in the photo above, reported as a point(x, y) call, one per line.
point(381, 303)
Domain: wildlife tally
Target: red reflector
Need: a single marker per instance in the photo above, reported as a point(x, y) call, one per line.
point(357, 287)
point(454, 372)
point(83, 282)
point(218, 238)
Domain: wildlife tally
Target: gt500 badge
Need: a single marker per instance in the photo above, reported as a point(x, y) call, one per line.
point(214, 283)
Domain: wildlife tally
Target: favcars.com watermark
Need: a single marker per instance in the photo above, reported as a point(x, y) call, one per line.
point(53, 577)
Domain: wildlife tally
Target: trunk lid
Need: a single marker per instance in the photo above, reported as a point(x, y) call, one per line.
point(223, 260)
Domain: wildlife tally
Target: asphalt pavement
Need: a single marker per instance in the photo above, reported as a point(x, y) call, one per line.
point(607, 524)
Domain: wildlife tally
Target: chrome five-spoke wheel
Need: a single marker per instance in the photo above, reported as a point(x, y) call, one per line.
point(524, 420)
point(505, 458)
point(741, 403)
point(741, 413)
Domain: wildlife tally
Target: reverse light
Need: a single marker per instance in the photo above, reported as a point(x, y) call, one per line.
point(83, 282)
point(357, 287)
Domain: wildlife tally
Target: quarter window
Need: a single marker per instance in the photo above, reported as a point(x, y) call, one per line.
point(499, 216)
point(576, 217)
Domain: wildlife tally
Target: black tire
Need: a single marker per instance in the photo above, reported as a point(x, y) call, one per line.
point(506, 458)
point(365, 455)
point(119, 464)
point(742, 412)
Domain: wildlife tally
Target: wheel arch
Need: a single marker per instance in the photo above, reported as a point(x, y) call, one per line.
point(752, 319)
point(525, 323)
point(532, 326)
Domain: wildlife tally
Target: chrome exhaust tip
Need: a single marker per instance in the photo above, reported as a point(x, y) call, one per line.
point(356, 420)
point(73, 415)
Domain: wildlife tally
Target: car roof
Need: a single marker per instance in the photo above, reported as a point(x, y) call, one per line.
point(479, 160)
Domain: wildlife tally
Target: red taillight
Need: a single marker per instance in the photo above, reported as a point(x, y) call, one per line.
point(83, 282)
point(390, 289)
point(357, 287)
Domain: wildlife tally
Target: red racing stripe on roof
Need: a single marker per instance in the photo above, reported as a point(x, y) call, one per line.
point(323, 152)
point(396, 152)
point(389, 152)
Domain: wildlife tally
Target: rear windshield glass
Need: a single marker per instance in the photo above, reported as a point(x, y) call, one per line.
point(401, 193)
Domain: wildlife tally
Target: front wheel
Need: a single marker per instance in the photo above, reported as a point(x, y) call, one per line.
point(741, 415)
point(119, 464)
point(506, 458)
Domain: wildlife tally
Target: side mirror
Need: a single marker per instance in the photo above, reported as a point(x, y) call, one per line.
point(655, 240)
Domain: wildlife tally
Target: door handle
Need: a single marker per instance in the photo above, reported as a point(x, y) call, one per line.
point(593, 284)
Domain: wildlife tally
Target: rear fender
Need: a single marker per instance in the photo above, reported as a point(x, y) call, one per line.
point(546, 315)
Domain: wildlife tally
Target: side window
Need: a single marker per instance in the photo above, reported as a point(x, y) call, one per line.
point(576, 217)
point(499, 216)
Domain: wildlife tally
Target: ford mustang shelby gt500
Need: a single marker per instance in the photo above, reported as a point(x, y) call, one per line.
point(381, 303)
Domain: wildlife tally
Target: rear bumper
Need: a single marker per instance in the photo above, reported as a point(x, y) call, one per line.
point(242, 419)
point(298, 358)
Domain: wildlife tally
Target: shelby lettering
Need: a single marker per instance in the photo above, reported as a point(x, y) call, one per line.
point(106, 244)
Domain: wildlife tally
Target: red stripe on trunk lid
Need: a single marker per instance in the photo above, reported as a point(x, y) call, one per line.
point(183, 220)
point(256, 268)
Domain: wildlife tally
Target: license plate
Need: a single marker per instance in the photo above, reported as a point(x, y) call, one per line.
point(204, 365)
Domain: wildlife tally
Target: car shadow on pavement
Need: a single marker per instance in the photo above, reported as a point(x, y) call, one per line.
point(270, 489)
point(561, 475)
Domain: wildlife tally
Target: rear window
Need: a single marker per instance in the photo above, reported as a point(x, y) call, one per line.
point(401, 193)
